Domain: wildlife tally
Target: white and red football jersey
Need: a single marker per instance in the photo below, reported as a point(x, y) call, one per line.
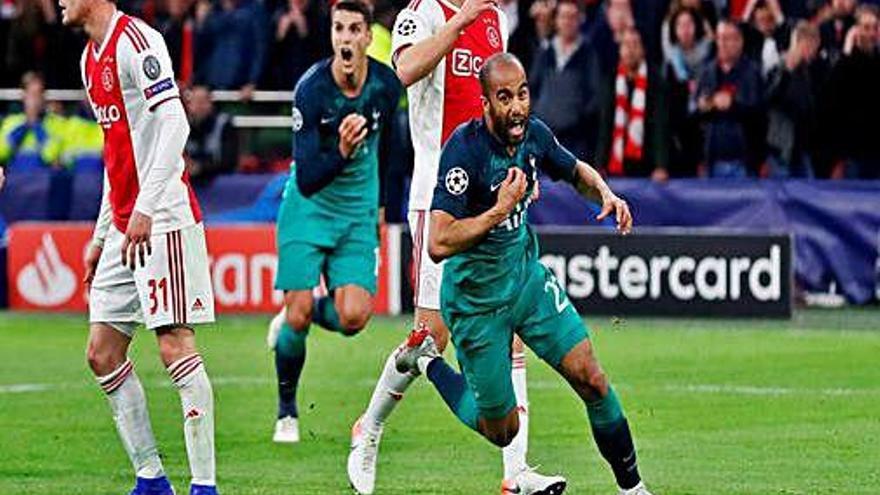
point(126, 78)
point(450, 95)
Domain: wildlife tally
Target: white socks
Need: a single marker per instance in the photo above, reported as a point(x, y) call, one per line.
point(515, 454)
point(388, 393)
point(189, 376)
point(129, 406)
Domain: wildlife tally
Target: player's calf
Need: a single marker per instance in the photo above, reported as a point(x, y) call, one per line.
point(500, 431)
point(187, 372)
point(607, 420)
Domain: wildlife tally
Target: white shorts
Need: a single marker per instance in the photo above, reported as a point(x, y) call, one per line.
point(427, 275)
point(174, 288)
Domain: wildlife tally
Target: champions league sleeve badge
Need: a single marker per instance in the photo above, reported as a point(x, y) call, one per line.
point(152, 68)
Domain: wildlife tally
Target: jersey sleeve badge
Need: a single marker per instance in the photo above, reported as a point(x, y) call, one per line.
point(457, 181)
point(152, 68)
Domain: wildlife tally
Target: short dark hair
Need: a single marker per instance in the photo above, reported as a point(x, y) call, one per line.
point(501, 58)
point(356, 6)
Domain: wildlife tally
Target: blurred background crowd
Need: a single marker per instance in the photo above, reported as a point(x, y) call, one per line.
point(640, 88)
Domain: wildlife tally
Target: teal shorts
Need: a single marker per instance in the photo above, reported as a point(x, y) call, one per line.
point(542, 316)
point(311, 243)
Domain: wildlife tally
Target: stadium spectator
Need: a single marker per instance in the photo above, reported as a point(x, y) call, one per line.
point(729, 101)
point(793, 96)
point(766, 34)
point(82, 139)
point(703, 29)
point(32, 139)
point(178, 28)
point(855, 101)
point(689, 48)
point(300, 34)
point(633, 119)
point(564, 82)
point(384, 13)
point(834, 29)
point(649, 16)
point(24, 47)
point(608, 32)
point(541, 19)
point(212, 146)
point(524, 40)
point(231, 39)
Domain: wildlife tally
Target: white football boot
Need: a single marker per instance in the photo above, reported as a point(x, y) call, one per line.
point(530, 482)
point(286, 430)
point(639, 489)
point(363, 456)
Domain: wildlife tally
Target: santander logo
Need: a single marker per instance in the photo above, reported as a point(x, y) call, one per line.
point(47, 281)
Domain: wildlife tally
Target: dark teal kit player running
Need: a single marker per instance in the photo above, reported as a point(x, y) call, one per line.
point(494, 286)
point(328, 219)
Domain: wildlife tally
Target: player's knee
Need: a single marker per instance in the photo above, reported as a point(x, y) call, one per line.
point(299, 319)
point(102, 361)
point(171, 349)
point(353, 321)
point(596, 380)
point(589, 380)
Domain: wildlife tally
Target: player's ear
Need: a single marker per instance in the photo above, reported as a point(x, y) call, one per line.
point(485, 102)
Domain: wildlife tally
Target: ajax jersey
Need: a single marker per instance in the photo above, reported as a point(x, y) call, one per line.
point(450, 95)
point(126, 78)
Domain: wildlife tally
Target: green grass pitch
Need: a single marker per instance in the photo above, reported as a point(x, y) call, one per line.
point(720, 407)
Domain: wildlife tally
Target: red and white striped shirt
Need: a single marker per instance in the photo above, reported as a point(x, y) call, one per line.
point(127, 77)
point(450, 95)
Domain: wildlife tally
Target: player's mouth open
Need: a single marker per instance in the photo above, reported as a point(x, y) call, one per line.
point(346, 54)
point(517, 128)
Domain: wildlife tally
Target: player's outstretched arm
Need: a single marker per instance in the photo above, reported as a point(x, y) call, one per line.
point(450, 235)
point(592, 186)
point(417, 61)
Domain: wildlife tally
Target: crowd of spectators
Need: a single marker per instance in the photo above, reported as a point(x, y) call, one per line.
point(651, 88)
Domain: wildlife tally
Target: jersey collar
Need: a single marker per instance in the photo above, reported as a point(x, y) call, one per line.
point(97, 51)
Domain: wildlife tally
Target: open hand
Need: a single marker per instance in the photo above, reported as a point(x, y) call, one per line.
point(137, 240)
point(612, 204)
point(93, 255)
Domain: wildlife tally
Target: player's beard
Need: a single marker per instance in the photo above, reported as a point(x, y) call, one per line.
point(502, 125)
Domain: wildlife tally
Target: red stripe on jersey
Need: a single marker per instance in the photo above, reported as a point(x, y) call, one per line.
point(104, 88)
point(135, 41)
point(138, 32)
point(193, 200)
